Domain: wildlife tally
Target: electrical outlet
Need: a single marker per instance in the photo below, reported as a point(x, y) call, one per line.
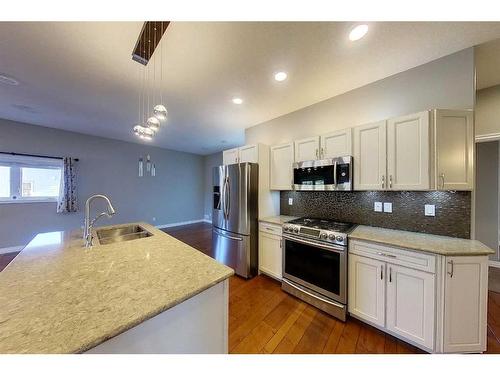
point(377, 207)
point(430, 210)
point(388, 207)
point(290, 201)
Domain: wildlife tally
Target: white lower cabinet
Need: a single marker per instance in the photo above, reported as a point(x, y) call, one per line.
point(465, 304)
point(367, 289)
point(410, 304)
point(270, 250)
point(435, 302)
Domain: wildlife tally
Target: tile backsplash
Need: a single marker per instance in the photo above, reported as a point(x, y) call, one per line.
point(453, 209)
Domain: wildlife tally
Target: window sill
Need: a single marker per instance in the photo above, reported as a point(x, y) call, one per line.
point(17, 201)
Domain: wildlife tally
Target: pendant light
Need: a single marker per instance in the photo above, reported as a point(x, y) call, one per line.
point(159, 111)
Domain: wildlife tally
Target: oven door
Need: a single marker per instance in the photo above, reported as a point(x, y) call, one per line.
point(319, 267)
point(327, 174)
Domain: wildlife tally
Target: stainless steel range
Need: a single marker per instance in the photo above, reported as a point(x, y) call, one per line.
point(315, 263)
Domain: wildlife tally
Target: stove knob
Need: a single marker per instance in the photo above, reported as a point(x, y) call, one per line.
point(285, 227)
point(324, 236)
point(340, 238)
point(331, 237)
point(296, 230)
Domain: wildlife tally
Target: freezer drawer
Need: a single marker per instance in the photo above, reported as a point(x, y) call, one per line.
point(235, 251)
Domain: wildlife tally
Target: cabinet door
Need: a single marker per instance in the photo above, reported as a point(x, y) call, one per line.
point(454, 140)
point(249, 154)
point(410, 304)
point(270, 254)
point(465, 312)
point(408, 146)
point(230, 156)
point(336, 144)
point(307, 149)
point(370, 156)
point(366, 289)
point(281, 167)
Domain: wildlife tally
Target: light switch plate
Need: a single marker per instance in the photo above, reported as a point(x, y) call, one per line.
point(377, 207)
point(388, 207)
point(290, 201)
point(430, 210)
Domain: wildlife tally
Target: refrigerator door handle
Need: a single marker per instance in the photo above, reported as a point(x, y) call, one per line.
point(228, 197)
point(228, 236)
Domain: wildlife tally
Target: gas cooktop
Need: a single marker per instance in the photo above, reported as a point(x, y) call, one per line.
point(323, 230)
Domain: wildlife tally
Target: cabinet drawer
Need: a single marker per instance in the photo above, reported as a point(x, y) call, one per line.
point(403, 257)
point(270, 228)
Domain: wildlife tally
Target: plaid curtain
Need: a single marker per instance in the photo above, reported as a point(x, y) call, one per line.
point(68, 201)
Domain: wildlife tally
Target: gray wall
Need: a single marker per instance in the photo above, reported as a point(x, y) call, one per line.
point(108, 167)
point(444, 83)
point(488, 111)
point(210, 161)
point(486, 210)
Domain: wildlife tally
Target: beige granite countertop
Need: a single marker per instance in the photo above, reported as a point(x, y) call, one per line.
point(58, 297)
point(429, 243)
point(280, 220)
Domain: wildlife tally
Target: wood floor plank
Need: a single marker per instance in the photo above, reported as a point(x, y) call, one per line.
point(284, 328)
point(316, 335)
point(254, 343)
point(296, 331)
point(370, 340)
point(390, 344)
point(334, 338)
point(349, 337)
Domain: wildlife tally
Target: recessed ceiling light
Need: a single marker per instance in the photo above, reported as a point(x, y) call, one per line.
point(8, 80)
point(280, 76)
point(358, 32)
point(237, 100)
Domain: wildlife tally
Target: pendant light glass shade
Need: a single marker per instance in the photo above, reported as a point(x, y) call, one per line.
point(160, 112)
point(144, 132)
point(153, 123)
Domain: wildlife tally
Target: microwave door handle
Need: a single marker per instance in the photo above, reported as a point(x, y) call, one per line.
point(335, 174)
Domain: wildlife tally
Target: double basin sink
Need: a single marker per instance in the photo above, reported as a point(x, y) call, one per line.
point(121, 234)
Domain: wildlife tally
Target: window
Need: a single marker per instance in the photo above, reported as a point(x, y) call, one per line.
point(29, 179)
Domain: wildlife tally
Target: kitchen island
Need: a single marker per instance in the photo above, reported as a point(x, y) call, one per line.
point(148, 295)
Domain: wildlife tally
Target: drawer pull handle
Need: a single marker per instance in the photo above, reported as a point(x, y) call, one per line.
point(387, 255)
point(381, 272)
point(390, 274)
point(451, 271)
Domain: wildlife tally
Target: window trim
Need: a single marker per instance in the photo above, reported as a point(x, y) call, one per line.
point(15, 163)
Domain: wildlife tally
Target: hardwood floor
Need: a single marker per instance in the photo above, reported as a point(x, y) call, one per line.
point(264, 319)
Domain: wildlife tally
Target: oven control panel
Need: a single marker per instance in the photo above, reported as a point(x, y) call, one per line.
point(317, 234)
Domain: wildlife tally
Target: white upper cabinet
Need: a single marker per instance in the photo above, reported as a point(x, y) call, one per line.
point(230, 156)
point(367, 289)
point(465, 307)
point(410, 304)
point(243, 154)
point(249, 154)
point(307, 149)
point(454, 145)
point(281, 160)
point(370, 156)
point(408, 152)
point(335, 144)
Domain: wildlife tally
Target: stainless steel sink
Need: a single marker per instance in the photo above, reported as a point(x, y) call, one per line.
point(121, 234)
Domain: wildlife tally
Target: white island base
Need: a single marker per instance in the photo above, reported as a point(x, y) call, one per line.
point(196, 326)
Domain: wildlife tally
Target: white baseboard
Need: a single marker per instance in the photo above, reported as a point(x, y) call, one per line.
point(162, 226)
point(494, 263)
point(11, 249)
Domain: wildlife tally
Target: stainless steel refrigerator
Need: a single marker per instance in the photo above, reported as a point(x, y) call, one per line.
point(235, 217)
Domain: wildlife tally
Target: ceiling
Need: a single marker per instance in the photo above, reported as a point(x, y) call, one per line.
point(487, 58)
point(80, 76)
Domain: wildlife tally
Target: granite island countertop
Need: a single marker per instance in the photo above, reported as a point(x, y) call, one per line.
point(279, 220)
point(429, 243)
point(58, 297)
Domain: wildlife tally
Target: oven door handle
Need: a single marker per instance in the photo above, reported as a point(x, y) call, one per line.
point(334, 248)
point(335, 174)
point(313, 295)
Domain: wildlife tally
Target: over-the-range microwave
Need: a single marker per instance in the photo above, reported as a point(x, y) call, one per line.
point(327, 174)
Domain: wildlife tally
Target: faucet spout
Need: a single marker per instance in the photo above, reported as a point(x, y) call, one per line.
point(88, 224)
